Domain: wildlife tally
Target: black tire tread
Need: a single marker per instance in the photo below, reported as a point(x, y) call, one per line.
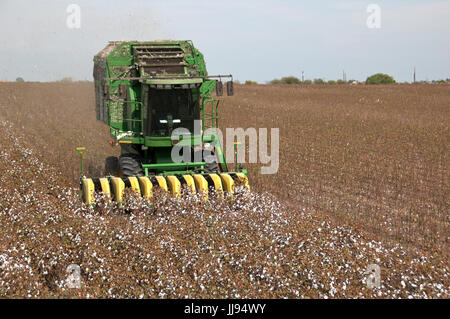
point(130, 165)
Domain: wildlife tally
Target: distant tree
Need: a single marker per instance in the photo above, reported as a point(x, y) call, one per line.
point(319, 81)
point(380, 78)
point(286, 80)
point(290, 80)
point(275, 81)
point(19, 79)
point(340, 82)
point(307, 82)
point(248, 82)
point(332, 82)
point(66, 80)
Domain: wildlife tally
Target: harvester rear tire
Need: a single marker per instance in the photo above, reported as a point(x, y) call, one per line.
point(131, 165)
point(112, 166)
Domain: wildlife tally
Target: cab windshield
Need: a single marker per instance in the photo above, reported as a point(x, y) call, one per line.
point(171, 109)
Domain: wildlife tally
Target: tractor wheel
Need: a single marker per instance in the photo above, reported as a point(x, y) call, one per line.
point(130, 165)
point(112, 166)
point(211, 162)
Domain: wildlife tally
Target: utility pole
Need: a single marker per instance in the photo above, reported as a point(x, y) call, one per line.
point(303, 76)
point(414, 74)
point(344, 76)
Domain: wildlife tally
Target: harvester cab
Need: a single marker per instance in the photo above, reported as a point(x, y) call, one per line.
point(155, 96)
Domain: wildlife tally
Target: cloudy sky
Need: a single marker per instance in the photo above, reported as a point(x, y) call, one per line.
point(252, 39)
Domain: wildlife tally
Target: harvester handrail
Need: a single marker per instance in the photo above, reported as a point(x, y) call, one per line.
point(170, 77)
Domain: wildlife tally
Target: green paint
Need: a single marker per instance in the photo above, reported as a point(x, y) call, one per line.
point(137, 84)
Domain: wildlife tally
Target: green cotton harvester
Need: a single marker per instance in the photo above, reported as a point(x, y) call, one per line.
point(156, 97)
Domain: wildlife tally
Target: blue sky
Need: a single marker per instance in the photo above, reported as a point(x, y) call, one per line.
point(252, 39)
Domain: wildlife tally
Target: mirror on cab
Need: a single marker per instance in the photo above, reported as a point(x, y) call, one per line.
point(219, 88)
point(230, 88)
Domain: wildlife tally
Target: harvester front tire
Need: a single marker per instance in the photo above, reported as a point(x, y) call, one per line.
point(112, 166)
point(211, 162)
point(130, 165)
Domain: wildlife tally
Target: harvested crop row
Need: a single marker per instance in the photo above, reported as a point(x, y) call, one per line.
point(250, 247)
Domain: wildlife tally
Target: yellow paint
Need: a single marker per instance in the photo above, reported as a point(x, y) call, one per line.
point(217, 183)
point(125, 142)
point(88, 191)
point(227, 183)
point(201, 185)
point(190, 182)
point(174, 185)
point(162, 182)
point(134, 185)
point(243, 179)
point(105, 187)
point(118, 187)
point(81, 149)
point(146, 186)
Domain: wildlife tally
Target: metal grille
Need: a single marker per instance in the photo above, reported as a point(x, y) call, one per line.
point(160, 60)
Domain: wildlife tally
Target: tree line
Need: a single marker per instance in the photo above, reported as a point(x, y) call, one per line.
point(379, 78)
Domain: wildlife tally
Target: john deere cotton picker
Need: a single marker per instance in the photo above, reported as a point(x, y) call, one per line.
point(144, 91)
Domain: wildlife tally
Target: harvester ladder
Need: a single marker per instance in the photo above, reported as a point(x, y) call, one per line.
point(210, 118)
